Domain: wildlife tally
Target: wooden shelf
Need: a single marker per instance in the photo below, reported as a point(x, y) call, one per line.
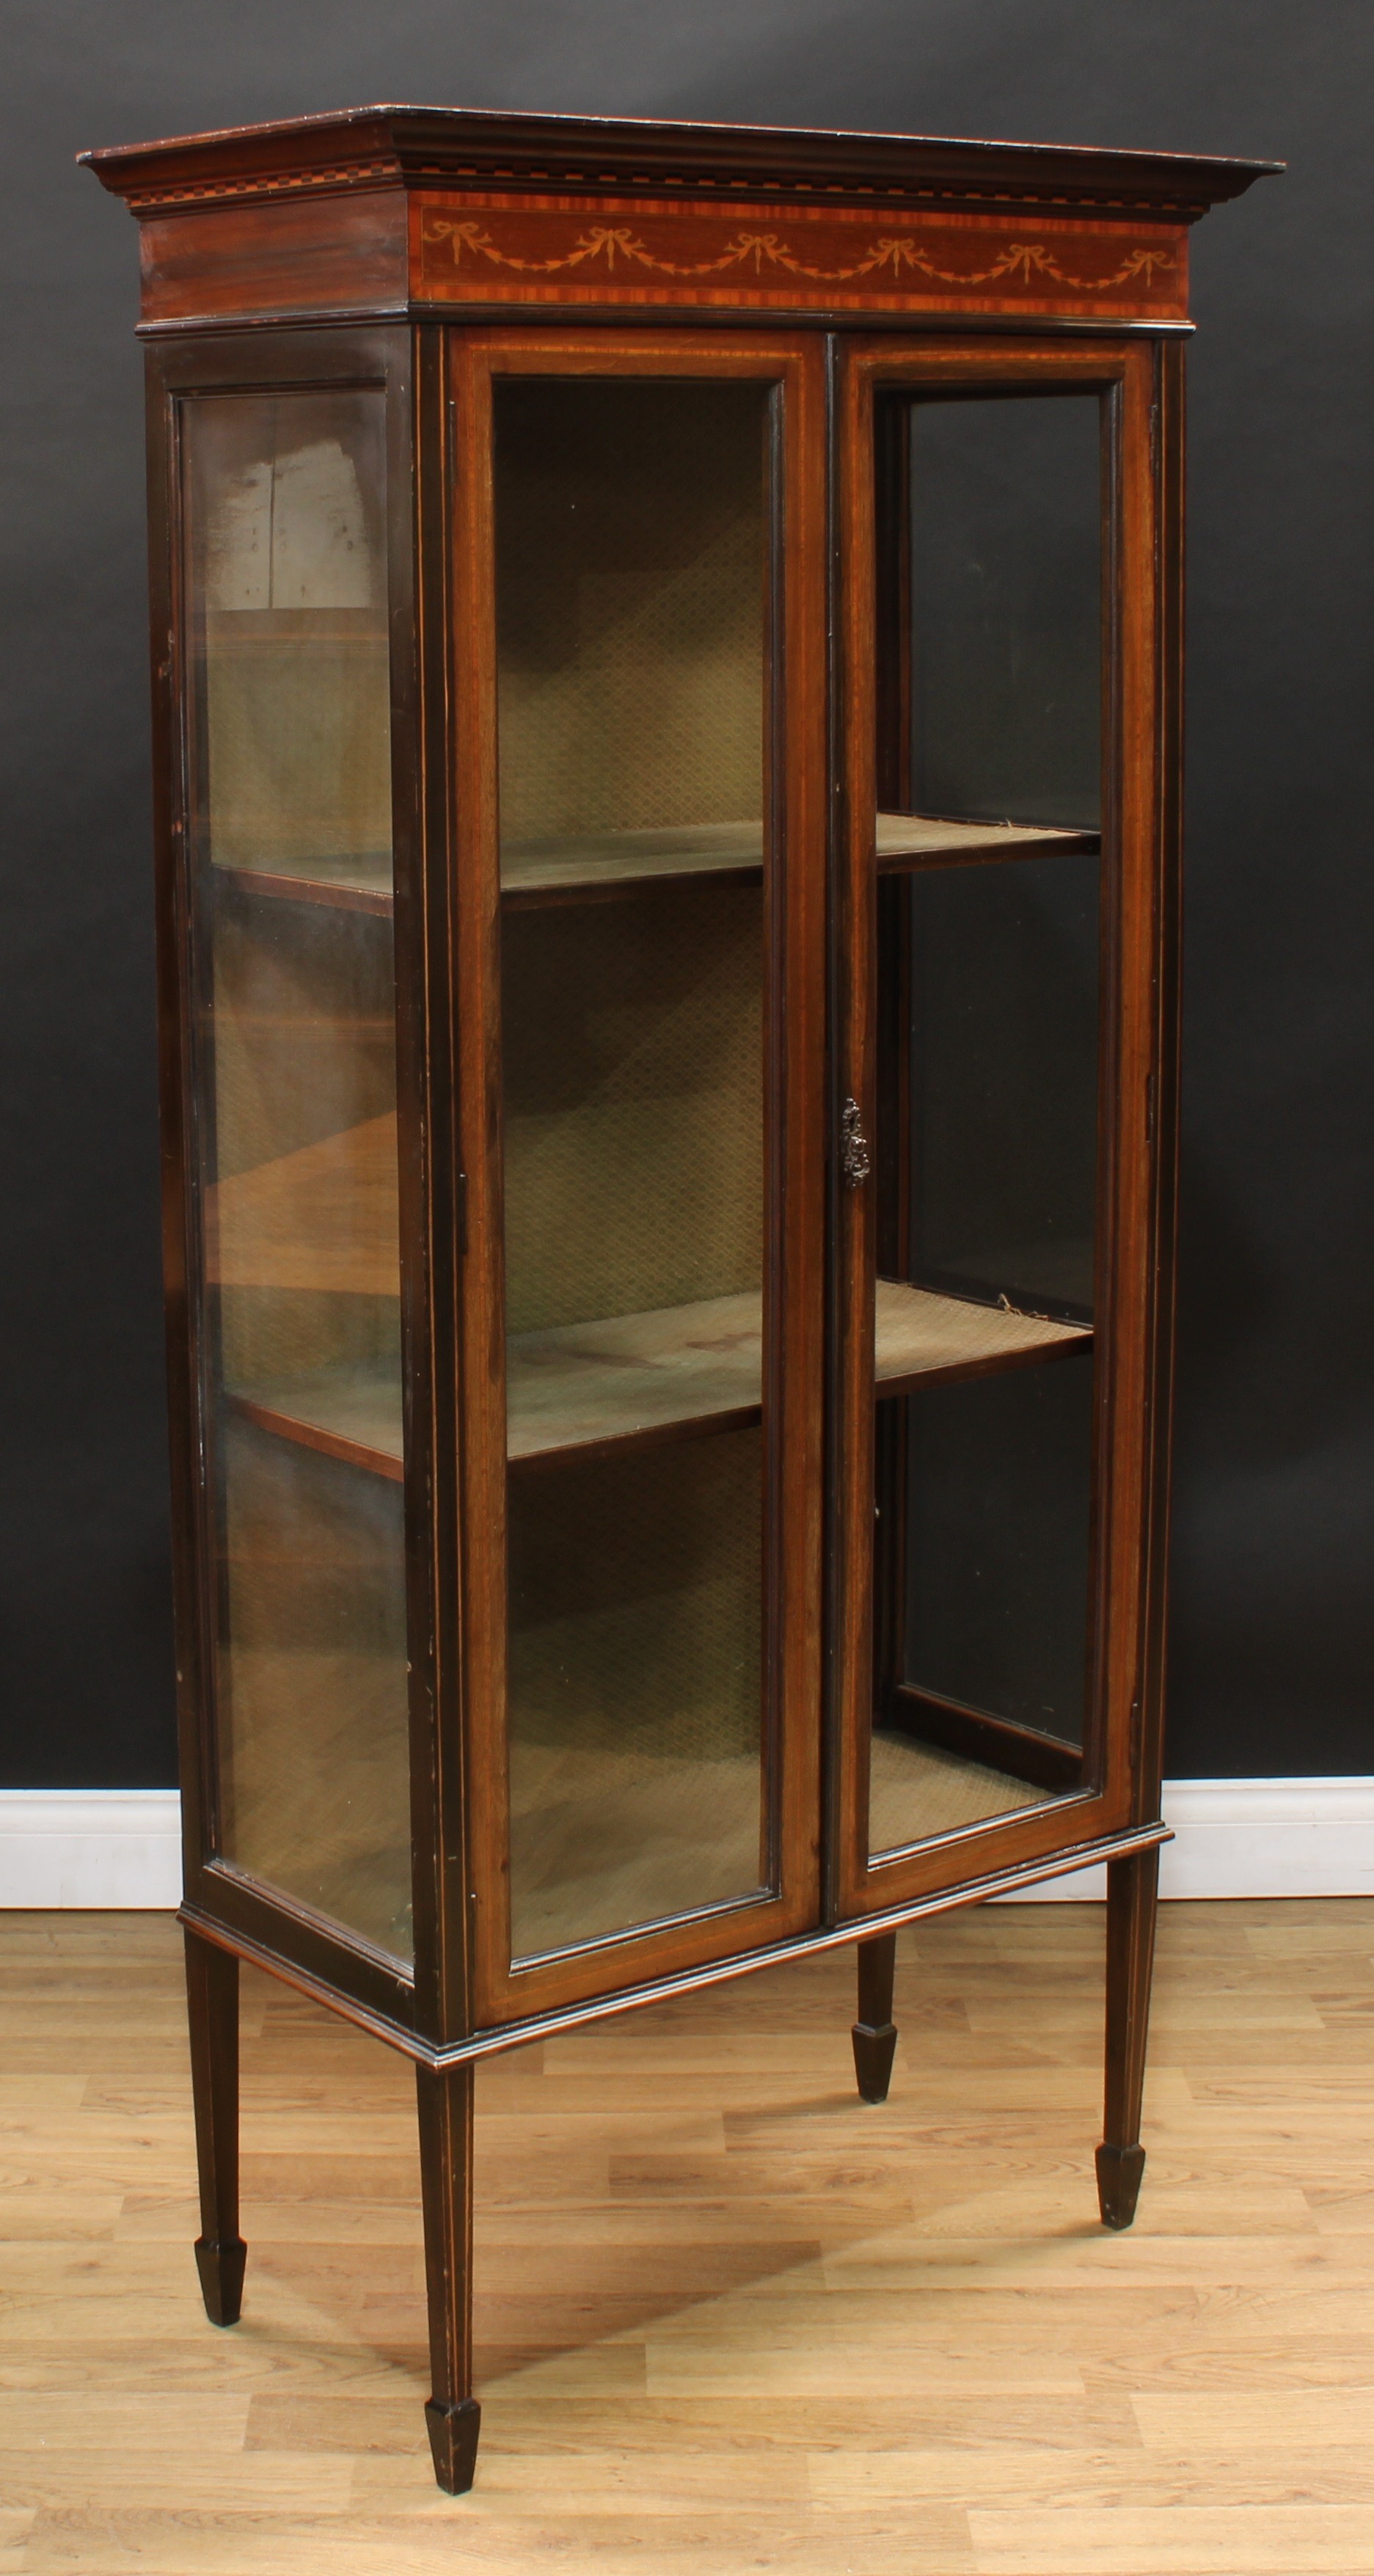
point(600, 865)
point(323, 1217)
point(361, 884)
point(353, 1416)
point(609, 863)
point(593, 866)
point(921, 1337)
point(636, 1379)
point(912, 840)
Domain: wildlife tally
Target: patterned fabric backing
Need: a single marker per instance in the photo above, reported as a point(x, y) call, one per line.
point(634, 1104)
point(630, 538)
point(635, 1684)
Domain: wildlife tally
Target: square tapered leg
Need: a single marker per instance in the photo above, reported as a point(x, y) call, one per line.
point(212, 2003)
point(452, 2415)
point(874, 2037)
point(1132, 1906)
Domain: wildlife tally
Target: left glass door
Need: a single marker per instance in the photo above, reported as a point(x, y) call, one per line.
point(288, 697)
point(644, 1711)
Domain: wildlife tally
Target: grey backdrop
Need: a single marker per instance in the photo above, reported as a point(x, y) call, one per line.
point(1273, 1634)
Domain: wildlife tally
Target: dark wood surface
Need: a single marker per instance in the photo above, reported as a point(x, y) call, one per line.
point(335, 1986)
point(291, 255)
point(1162, 1103)
point(452, 2415)
point(212, 2005)
point(374, 209)
point(1132, 1908)
point(735, 257)
point(874, 2034)
point(368, 146)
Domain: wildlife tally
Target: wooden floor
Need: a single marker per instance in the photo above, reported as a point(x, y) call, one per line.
point(729, 2319)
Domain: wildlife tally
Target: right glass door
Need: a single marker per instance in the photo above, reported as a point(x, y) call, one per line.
point(984, 1113)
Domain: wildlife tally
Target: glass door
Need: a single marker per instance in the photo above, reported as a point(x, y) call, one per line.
point(994, 1267)
point(645, 1150)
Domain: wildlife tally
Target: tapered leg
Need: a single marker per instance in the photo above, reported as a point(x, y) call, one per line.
point(452, 2414)
point(1132, 1904)
point(212, 2003)
point(874, 2037)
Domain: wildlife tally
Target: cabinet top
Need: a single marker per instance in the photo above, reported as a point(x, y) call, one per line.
point(418, 147)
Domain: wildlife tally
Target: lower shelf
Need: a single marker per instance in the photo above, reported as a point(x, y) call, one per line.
point(603, 1841)
point(919, 1790)
point(653, 1376)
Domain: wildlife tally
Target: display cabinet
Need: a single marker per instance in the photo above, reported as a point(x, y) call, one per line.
point(666, 649)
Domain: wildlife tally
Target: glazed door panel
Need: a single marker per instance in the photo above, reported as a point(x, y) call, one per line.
point(997, 898)
point(638, 549)
point(295, 1199)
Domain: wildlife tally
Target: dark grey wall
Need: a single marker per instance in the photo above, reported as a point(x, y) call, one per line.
point(1274, 1617)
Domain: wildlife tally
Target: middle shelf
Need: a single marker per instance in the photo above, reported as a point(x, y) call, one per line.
point(639, 1378)
point(598, 864)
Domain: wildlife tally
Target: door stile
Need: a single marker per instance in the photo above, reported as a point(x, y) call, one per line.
point(476, 965)
point(794, 1307)
point(793, 1092)
point(855, 934)
point(192, 1595)
point(1131, 1246)
point(432, 1211)
point(1170, 363)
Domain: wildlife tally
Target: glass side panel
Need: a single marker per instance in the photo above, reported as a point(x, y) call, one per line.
point(987, 1144)
point(632, 586)
point(296, 1116)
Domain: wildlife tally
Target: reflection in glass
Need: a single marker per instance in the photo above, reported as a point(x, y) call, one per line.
point(297, 1115)
point(631, 605)
point(989, 939)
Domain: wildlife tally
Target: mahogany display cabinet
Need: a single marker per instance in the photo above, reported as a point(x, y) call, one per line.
point(667, 683)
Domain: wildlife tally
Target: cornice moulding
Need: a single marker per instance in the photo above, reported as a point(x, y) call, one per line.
point(386, 146)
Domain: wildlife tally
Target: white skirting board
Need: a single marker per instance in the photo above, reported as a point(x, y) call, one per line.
point(92, 1847)
point(1254, 1838)
point(122, 1847)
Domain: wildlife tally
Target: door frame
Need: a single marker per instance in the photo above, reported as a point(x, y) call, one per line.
point(794, 1112)
point(1137, 845)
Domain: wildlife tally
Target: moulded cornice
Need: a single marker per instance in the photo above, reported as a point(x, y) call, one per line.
point(372, 147)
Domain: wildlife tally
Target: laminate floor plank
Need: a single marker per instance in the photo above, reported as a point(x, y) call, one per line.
point(726, 2315)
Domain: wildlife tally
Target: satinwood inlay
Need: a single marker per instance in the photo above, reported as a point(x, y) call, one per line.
point(480, 250)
